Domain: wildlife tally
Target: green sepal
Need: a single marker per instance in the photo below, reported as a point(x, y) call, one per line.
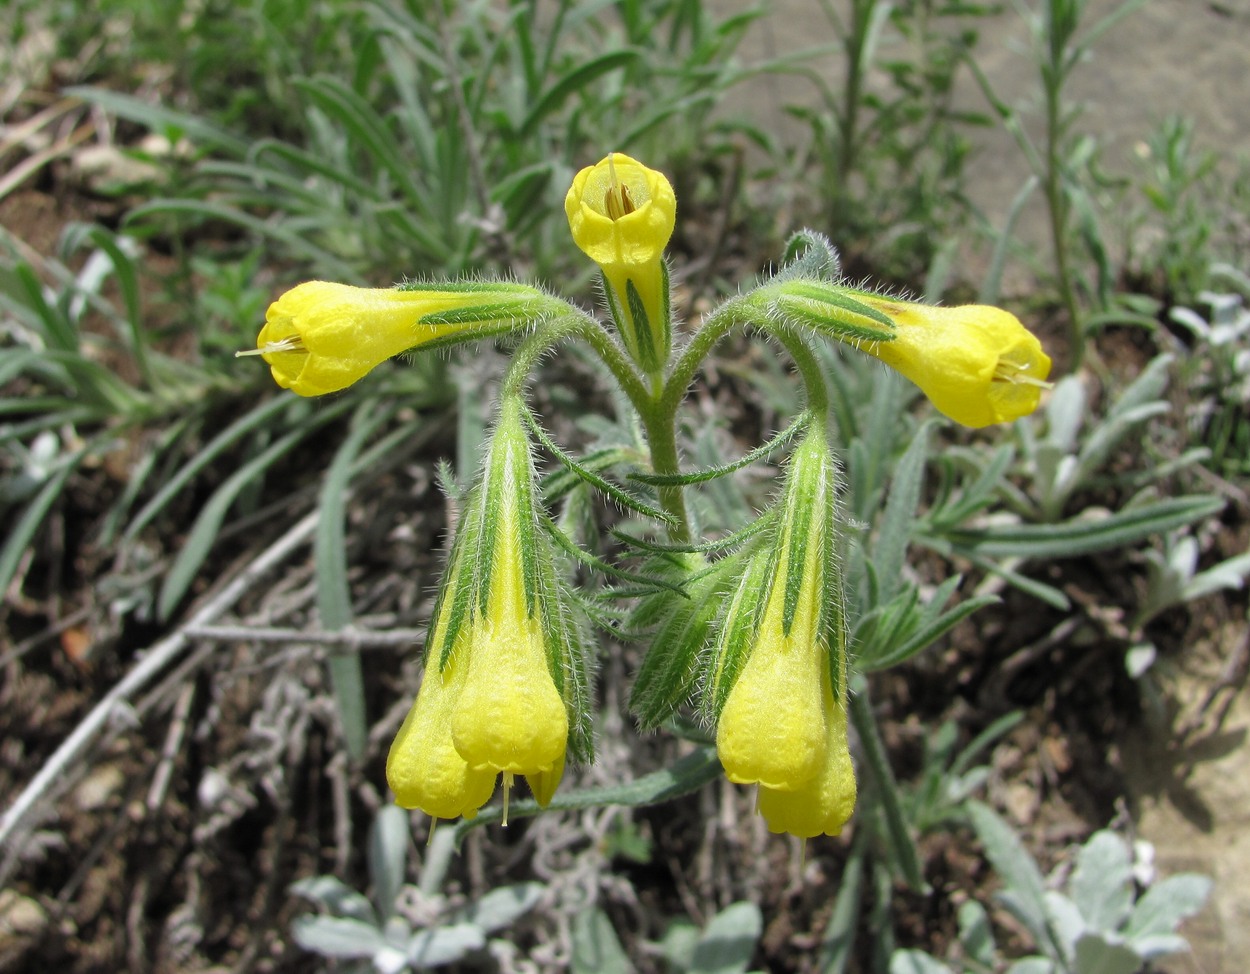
point(830, 310)
point(567, 658)
point(464, 568)
point(505, 314)
point(712, 473)
point(643, 335)
point(738, 629)
point(670, 668)
point(474, 287)
point(624, 323)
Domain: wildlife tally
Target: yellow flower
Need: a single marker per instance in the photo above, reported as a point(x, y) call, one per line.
point(622, 215)
point(824, 803)
point(495, 705)
point(423, 768)
point(321, 337)
point(509, 716)
point(783, 722)
point(772, 727)
point(977, 364)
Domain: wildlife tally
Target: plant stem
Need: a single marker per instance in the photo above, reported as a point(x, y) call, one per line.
point(1057, 204)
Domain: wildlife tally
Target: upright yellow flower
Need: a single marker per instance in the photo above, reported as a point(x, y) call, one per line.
point(977, 364)
point(622, 214)
point(320, 337)
point(781, 668)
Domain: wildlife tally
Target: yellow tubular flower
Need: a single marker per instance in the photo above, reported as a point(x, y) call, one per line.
point(772, 728)
point(509, 716)
point(977, 364)
point(622, 214)
point(823, 804)
point(321, 337)
point(423, 768)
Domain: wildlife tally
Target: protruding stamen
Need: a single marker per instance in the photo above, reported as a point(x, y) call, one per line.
point(507, 788)
point(292, 343)
point(1018, 375)
point(616, 201)
point(429, 839)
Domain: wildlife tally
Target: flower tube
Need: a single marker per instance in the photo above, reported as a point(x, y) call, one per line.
point(320, 337)
point(977, 364)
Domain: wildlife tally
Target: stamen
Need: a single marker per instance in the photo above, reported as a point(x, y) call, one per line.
point(507, 788)
point(616, 201)
point(1018, 375)
point(429, 839)
point(292, 343)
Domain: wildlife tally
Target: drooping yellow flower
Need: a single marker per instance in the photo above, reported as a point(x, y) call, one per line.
point(320, 337)
point(824, 803)
point(622, 214)
point(423, 768)
point(783, 722)
point(509, 716)
point(772, 727)
point(496, 704)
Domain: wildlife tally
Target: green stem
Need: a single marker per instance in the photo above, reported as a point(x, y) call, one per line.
point(809, 369)
point(878, 766)
point(1056, 203)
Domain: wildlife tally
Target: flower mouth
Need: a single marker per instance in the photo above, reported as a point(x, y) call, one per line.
point(1017, 374)
point(617, 203)
point(292, 343)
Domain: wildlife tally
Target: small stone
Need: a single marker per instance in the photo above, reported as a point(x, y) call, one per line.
point(20, 916)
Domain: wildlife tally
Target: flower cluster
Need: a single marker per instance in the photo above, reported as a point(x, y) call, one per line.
point(505, 678)
point(757, 634)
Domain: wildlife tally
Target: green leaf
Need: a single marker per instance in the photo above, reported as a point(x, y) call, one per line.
point(916, 962)
point(388, 857)
point(1025, 893)
point(571, 82)
point(32, 516)
point(729, 941)
point(702, 476)
point(890, 551)
point(685, 775)
point(596, 949)
point(330, 543)
point(1166, 904)
point(838, 940)
point(903, 845)
point(925, 636)
point(208, 524)
point(1102, 883)
point(1085, 535)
